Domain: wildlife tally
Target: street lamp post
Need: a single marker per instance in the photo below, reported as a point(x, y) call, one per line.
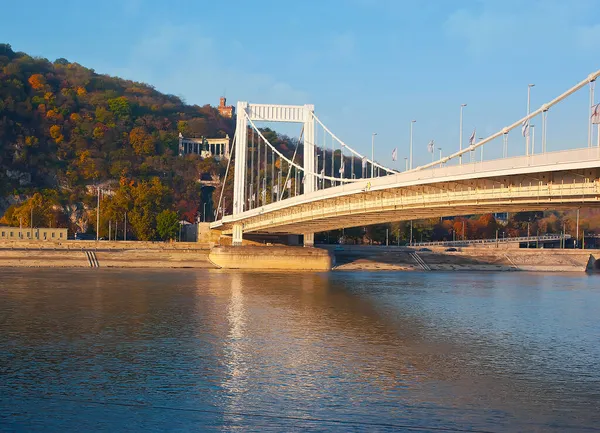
point(440, 149)
point(481, 147)
point(372, 152)
point(405, 164)
point(460, 135)
point(410, 154)
point(529, 86)
point(98, 217)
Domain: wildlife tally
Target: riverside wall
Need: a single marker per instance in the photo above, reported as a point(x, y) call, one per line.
point(272, 258)
point(465, 259)
point(121, 254)
point(104, 254)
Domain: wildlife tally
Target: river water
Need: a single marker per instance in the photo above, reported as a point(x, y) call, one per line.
point(207, 350)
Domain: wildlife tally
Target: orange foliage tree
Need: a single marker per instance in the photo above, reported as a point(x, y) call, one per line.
point(37, 81)
point(141, 141)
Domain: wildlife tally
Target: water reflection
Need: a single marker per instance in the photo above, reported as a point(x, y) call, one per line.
point(496, 352)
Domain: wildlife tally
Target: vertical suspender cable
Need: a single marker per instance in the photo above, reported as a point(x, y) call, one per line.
point(251, 172)
point(272, 175)
point(257, 170)
point(332, 182)
point(590, 127)
point(323, 170)
point(293, 159)
point(264, 191)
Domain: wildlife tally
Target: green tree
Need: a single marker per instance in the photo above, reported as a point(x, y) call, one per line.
point(167, 224)
point(120, 106)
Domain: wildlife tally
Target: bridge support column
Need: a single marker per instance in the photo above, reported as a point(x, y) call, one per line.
point(309, 239)
point(237, 237)
point(241, 150)
point(310, 180)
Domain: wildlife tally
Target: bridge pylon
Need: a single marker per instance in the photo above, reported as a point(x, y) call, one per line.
point(247, 112)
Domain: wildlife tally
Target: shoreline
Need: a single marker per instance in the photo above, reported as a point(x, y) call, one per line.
point(105, 254)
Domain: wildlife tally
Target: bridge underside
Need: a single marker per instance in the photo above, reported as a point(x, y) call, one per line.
point(552, 190)
point(386, 216)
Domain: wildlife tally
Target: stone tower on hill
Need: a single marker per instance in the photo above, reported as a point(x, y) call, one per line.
point(225, 110)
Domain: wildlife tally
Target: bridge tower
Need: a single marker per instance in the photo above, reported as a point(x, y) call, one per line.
point(247, 112)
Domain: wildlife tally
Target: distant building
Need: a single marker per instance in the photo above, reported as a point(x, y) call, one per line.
point(205, 147)
point(225, 110)
point(29, 234)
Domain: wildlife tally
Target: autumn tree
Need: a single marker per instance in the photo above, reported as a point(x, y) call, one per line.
point(141, 142)
point(167, 225)
point(37, 81)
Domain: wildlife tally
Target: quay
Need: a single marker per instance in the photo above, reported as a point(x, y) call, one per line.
point(132, 254)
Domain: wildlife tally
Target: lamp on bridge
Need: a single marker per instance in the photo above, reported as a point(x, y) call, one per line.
point(372, 151)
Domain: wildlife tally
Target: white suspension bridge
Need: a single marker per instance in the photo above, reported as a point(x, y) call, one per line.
point(330, 185)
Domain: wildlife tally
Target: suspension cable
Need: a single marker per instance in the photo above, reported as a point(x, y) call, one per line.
point(389, 170)
point(283, 156)
point(507, 129)
point(225, 179)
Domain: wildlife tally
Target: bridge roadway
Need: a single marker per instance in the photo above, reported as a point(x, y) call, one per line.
point(550, 181)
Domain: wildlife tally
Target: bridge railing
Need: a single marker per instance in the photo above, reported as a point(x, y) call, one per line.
point(555, 159)
point(466, 242)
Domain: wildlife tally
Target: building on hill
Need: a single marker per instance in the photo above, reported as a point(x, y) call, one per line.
point(205, 147)
point(226, 110)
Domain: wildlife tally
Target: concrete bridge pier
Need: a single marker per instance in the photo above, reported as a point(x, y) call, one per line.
point(237, 237)
point(309, 239)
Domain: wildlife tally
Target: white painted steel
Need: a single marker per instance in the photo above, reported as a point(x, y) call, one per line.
point(577, 159)
point(518, 123)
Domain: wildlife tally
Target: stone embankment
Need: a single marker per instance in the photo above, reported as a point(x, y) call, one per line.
point(466, 259)
point(105, 254)
point(272, 258)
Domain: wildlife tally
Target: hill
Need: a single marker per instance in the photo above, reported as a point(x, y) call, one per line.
point(64, 128)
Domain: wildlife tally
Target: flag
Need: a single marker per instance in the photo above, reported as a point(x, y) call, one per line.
point(525, 128)
point(394, 154)
point(303, 179)
point(596, 114)
point(364, 161)
point(472, 138)
point(430, 147)
point(322, 173)
point(288, 184)
point(253, 198)
point(342, 170)
point(275, 189)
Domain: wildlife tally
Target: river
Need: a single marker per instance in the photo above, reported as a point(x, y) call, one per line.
point(180, 350)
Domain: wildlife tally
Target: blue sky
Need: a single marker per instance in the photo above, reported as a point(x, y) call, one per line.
point(366, 65)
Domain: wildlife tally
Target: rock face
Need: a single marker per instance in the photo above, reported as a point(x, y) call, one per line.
point(78, 216)
point(6, 202)
point(23, 178)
